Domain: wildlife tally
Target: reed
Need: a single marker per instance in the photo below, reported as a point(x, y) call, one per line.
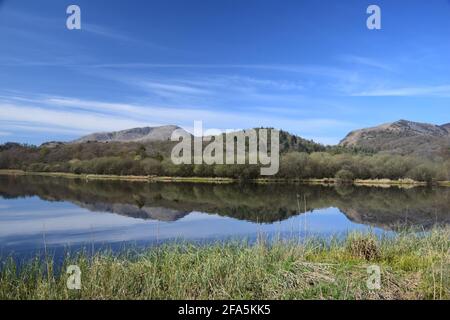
point(414, 266)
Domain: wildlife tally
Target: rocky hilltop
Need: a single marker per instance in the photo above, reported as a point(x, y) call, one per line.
point(403, 137)
point(144, 134)
point(446, 127)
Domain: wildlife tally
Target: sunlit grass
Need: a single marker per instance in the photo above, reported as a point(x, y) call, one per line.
point(414, 266)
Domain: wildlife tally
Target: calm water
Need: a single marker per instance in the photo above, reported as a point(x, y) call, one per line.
point(56, 213)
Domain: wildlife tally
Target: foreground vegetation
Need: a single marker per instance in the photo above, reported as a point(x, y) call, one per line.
point(413, 267)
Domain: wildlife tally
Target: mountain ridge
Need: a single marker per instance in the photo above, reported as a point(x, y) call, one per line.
point(446, 126)
point(402, 137)
point(140, 134)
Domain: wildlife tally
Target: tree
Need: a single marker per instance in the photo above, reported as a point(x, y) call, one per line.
point(344, 175)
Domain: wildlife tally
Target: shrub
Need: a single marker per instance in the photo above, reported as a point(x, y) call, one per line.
point(345, 175)
point(151, 167)
point(424, 172)
point(363, 247)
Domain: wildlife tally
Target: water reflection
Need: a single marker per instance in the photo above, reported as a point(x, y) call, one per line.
point(387, 208)
point(75, 211)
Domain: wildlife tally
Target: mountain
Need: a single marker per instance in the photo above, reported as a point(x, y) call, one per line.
point(291, 142)
point(403, 137)
point(446, 127)
point(145, 134)
point(131, 210)
point(288, 142)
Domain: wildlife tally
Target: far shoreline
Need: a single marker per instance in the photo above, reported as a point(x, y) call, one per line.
point(385, 183)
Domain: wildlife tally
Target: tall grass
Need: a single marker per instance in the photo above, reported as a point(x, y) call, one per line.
point(413, 266)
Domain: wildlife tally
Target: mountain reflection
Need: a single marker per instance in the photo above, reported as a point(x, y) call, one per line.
point(387, 208)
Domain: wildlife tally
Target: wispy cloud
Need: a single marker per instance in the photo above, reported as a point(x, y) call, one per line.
point(24, 127)
point(222, 87)
point(115, 35)
point(81, 122)
point(75, 116)
point(173, 88)
point(366, 61)
point(46, 32)
point(438, 91)
point(317, 70)
point(246, 83)
point(215, 90)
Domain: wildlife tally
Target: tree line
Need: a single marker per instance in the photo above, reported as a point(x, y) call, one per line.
point(140, 159)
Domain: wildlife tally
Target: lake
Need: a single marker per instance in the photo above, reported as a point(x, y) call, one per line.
point(45, 213)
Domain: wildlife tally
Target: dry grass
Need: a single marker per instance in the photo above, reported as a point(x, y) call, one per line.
point(413, 267)
point(363, 247)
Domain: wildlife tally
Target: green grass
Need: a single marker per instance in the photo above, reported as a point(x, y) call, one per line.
point(413, 267)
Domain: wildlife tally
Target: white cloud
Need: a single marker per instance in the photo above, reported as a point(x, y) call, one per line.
point(66, 119)
point(442, 91)
point(164, 88)
point(38, 128)
point(75, 116)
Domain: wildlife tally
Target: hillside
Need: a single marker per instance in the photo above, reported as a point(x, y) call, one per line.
point(373, 153)
point(446, 127)
point(137, 143)
point(288, 142)
point(404, 138)
point(144, 134)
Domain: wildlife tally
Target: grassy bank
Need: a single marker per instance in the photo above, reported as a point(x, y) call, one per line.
point(330, 181)
point(412, 266)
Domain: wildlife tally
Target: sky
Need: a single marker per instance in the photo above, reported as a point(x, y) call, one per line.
point(310, 67)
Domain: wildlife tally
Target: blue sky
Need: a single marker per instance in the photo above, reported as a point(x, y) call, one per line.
point(309, 67)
